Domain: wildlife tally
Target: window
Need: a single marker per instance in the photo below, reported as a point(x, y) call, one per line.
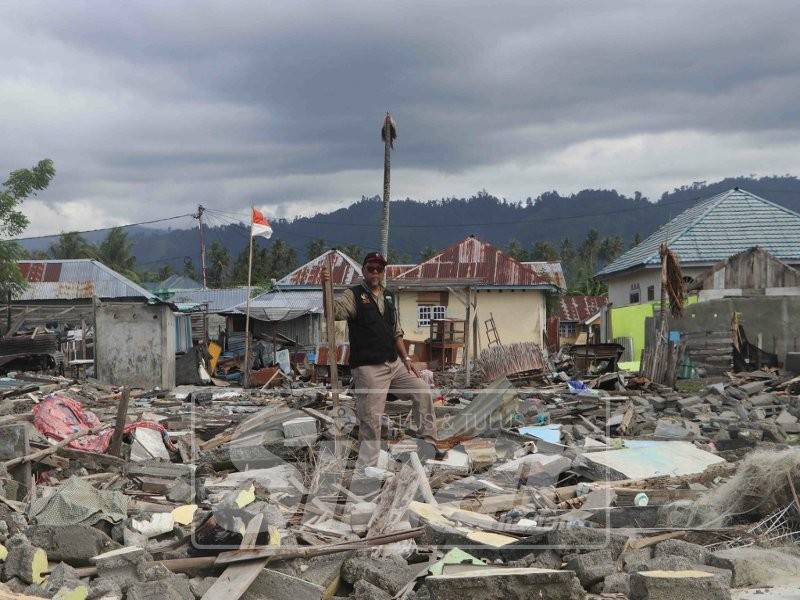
point(567, 329)
point(427, 312)
point(651, 292)
point(633, 298)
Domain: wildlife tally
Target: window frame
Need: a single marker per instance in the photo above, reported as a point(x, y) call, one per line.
point(430, 312)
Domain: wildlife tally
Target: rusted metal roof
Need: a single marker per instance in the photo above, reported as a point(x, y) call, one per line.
point(472, 258)
point(76, 279)
point(580, 308)
point(346, 271)
point(393, 271)
point(552, 270)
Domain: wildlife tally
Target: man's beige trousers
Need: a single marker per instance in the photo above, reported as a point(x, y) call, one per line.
point(371, 383)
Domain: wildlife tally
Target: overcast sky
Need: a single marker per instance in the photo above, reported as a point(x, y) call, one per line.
point(149, 108)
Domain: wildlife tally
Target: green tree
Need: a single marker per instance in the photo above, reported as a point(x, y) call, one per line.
point(219, 261)
point(72, 244)
point(35, 254)
point(115, 252)
point(427, 252)
point(637, 239)
point(269, 263)
point(189, 269)
point(516, 250)
point(282, 259)
point(165, 271)
point(544, 251)
point(610, 249)
point(354, 251)
point(315, 248)
point(20, 184)
point(589, 249)
point(398, 258)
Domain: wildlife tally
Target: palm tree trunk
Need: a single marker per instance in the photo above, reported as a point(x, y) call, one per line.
point(387, 168)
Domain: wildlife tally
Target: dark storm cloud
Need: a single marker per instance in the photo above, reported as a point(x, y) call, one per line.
point(149, 106)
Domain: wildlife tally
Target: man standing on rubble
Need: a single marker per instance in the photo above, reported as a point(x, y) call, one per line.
point(378, 359)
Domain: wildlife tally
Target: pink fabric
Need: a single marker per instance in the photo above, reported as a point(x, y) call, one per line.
point(57, 417)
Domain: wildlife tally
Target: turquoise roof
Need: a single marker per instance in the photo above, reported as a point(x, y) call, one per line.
point(717, 228)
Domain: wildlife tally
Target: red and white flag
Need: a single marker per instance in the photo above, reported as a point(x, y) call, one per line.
point(260, 225)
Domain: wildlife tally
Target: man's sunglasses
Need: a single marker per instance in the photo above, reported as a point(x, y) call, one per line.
point(374, 268)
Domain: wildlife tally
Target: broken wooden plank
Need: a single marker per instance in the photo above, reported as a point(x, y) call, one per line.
point(237, 578)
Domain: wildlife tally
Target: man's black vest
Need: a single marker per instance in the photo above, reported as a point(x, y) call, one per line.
point(371, 333)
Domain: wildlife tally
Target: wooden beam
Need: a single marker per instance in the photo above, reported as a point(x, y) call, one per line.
point(115, 447)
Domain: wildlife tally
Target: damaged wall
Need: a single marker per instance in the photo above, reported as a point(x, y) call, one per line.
point(769, 321)
point(136, 345)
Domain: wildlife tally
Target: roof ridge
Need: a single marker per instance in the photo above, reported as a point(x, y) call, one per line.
point(705, 206)
point(524, 267)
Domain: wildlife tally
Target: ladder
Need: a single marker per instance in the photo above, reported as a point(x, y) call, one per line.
point(491, 331)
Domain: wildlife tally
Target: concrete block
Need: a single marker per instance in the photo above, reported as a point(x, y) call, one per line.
point(389, 573)
point(62, 582)
point(364, 590)
point(24, 561)
point(694, 552)
point(587, 538)
point(175, 588)
point(281, 586)
point(617, 583)
point(677, 585)
point(180, 491)
point(72, 544)
point(125, 565)
point(753, 566)
point(496, 582)
point(104, 587)
point(299, 427)
point(592, 567)
point(200, 585)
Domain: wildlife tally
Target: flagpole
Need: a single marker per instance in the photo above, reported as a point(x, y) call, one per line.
point(246, 376)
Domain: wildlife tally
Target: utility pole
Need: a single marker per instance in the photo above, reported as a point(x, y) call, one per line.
point(199, 216)
point(388, 135)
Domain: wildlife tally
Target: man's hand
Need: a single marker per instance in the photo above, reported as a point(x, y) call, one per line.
point(326, 276)
point(411, 368)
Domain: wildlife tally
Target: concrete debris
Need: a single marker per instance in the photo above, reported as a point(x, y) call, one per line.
point(540, 485)
point(676, 585)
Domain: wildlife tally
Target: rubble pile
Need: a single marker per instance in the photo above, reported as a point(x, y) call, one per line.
point(542, 486)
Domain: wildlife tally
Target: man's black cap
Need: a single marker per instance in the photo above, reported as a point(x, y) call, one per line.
point(375, 257)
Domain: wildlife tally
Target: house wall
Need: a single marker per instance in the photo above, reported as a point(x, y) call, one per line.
point(135, 345)
point(619, 287)
point(519, 315)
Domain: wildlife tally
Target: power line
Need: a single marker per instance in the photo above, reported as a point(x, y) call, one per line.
point(39, 237)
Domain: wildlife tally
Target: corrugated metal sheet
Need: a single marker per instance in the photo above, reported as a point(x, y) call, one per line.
point(76, 279)
point(346, 271)
point(393, 271)
point(551, 270)
point(284, 305)
point(179, 282)
point(219, 300)
point(472, 258)
point(580, 308)
point(717, 228)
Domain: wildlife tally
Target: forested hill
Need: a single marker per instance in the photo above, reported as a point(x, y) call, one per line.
point(419, 226)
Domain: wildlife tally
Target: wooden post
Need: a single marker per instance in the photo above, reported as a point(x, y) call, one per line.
point(83, 338)
point(330, 323)
point(246, 366)
point(466, 336)
point(115, 448)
